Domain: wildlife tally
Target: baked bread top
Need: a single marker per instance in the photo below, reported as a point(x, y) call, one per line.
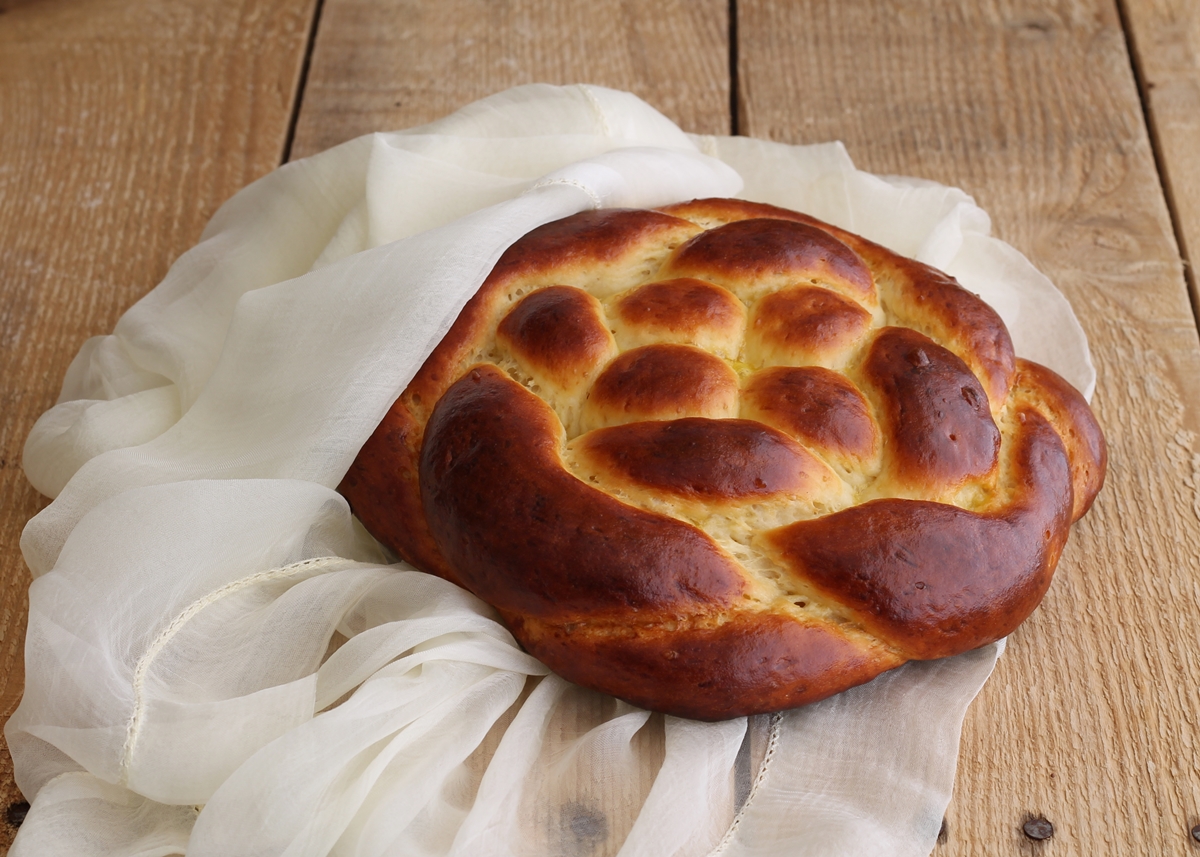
point(722, 458)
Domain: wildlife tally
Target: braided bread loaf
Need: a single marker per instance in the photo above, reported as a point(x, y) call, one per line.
point(723, 458)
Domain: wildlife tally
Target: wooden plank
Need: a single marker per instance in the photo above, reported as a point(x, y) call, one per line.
point(380, 65)
point(1165, 36)
point(1031, 106)
point(126, 123)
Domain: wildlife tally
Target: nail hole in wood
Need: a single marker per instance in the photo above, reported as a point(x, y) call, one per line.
point(1037, 829)
point(16, 812)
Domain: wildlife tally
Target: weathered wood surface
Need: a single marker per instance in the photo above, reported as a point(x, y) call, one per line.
point(1090, 719)
point(1165, 37)
point(126, 123)
point(123, 125)
point(386, 64)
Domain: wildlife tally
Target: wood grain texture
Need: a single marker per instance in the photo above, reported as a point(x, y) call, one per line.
point(381, 65)
point(125, 124)
point(1090, 719)
point(1165, 37)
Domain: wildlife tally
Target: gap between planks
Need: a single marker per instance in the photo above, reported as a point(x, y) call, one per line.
point(1160, 159)
point(735, 105)
point(302, 82)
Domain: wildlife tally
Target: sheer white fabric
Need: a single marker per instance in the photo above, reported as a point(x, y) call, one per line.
point(220, 661)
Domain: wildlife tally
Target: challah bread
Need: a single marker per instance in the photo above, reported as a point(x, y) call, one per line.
point(723, 459)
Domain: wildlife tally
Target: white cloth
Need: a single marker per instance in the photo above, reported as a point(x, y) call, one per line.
point(219, 659)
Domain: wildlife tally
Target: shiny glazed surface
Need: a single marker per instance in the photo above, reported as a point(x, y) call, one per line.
point(724, 459)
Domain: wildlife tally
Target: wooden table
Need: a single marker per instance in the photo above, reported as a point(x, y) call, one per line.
point(1075, 123)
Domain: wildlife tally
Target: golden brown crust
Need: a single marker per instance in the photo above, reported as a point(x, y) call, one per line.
point(382, 486)
point(747, 256)
point(683, 311)
point(592, 241)
point(818, 407)
point(915, 294)
point(725, 459)
point(934, 411)
point(1068, 412)
point(766, 663)
point(499, 502)
point(716, 212)
point(707, 460)
point(557, 334)
point(578, 251)
point(932, 579)
point(928, 300)
point(804, 325)
point(657, 382)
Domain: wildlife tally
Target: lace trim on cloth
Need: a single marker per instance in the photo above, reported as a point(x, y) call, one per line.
point(597, 202)
point(598, 108)
point(760, 777)
point(176, 625)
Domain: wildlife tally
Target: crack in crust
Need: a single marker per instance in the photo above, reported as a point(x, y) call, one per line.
point(725, 459)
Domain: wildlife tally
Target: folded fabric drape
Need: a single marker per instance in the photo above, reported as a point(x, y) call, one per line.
point(220, 661)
